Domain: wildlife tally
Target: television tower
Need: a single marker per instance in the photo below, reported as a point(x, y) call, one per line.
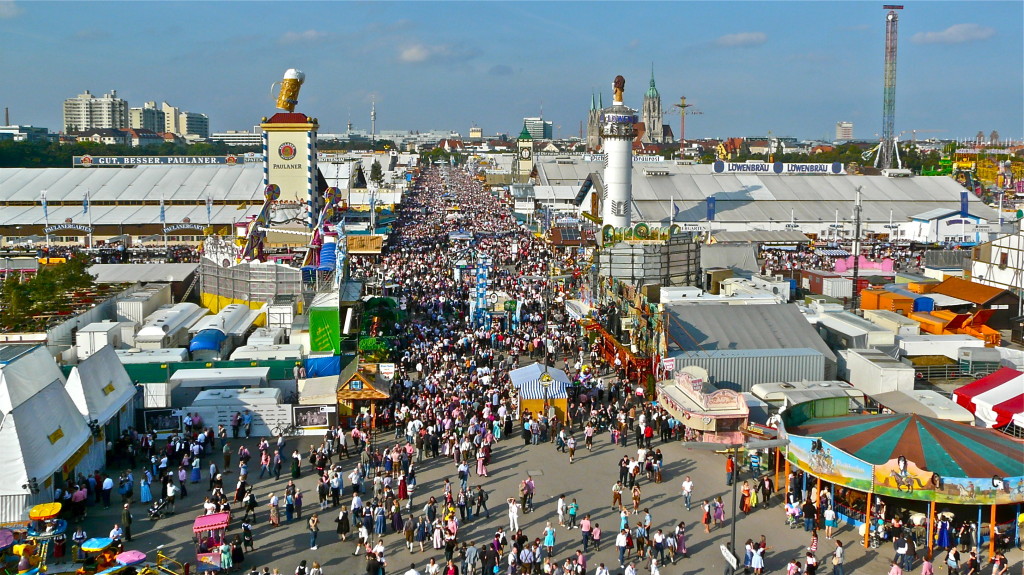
point(887, 147)
point(373, 120)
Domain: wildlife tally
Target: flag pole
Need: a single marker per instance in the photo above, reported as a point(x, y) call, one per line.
point(163, 228)
point(46, 218)
point(88, 210)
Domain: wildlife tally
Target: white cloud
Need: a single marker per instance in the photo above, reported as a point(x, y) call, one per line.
point(955, 34)
point(414, 53)
point(742, 39)
point(419, 52)
point(307, 36)
point(8, 9)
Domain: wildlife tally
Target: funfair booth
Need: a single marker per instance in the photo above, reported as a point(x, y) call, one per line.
point(541, 388)
point(719, 415)
point(916, 466)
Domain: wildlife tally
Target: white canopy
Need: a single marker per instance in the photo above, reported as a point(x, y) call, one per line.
point(319, 390)
point(100, 386)
point(40, 427)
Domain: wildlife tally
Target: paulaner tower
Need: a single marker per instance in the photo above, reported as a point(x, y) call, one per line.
point(618, 130)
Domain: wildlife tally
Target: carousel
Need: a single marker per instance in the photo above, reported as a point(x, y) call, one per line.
point(932, 474)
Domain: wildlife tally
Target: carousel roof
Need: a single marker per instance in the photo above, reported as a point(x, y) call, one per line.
point(944, 447)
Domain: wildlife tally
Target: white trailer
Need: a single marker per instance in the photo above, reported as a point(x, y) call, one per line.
point(945, 345)
point(257, 352)
point(874, 372)
point(169, 325)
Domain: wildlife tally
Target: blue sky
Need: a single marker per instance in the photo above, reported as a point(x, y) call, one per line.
point(794, 68)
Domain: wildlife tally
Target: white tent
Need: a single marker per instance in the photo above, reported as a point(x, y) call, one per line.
point(40, 428)
point(102, 391)
point(100, 386)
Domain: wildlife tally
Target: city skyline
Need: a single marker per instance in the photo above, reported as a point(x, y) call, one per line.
point(793, 69)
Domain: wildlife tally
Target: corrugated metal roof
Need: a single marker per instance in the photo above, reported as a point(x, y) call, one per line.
point(741, 327)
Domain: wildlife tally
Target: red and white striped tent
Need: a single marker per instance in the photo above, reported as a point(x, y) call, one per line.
point(996, 399)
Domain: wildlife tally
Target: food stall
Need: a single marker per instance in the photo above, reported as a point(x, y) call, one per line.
point(716, 415)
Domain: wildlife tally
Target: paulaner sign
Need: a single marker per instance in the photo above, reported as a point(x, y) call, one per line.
point(65, 227)
point(229, 160)
point(777, 168)
point(185, 226)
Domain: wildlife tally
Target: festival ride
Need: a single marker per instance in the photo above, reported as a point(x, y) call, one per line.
point(26, 544)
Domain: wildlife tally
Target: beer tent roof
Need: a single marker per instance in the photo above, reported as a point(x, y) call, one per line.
point(40, 427)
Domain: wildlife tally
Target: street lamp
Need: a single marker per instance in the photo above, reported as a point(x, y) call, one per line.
point(734, 447)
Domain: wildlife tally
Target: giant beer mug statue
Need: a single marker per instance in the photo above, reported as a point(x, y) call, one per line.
point(288, 97)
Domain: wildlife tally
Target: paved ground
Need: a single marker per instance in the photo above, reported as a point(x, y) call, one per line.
point(588, 480)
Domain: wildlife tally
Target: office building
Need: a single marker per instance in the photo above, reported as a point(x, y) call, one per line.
point(195, 124)
point(85, 111)
point(844, 131)
point(148, 117)
point(539, 129)
point(239, 138)
point(185, 123)
point(24, 133)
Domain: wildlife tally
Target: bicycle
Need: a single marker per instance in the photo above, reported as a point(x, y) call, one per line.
point(286, 430)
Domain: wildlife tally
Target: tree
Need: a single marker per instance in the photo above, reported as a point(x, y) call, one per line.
point(376, 173)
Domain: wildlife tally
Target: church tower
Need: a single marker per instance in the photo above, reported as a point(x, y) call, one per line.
point(654, 131)
point(593, 126)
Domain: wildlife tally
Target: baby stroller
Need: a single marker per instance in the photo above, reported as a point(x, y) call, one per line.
point(158, 509)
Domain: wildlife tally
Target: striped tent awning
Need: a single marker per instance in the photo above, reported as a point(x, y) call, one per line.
point(945, 447)
point(536, 390)
point(997, 399)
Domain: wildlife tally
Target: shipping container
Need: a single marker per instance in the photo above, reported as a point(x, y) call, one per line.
point(922, 287)
point(811, 280)
point(869, 298)
point(92, 337)
point(837, 287)
point(900, 304)
point(141, 303)
point(892, 321)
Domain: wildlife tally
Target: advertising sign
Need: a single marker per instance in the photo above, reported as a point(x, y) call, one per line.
point(386, 370)
point(229, 160)
point(778, 168)
point(67, 227)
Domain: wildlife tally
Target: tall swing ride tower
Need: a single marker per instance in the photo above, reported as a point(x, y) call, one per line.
point(887, 148)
